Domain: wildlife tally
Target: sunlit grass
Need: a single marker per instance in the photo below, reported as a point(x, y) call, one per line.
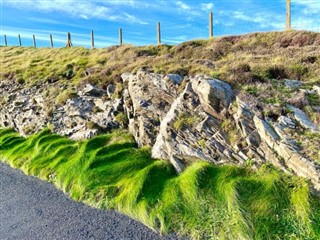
point(204, 202)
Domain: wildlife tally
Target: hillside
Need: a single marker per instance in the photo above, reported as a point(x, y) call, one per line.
point(235, 121)
point(237, 59)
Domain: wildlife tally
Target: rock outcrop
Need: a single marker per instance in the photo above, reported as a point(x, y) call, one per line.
point(271, 142)
point(146, 101)
point(189, 132)
point(181, 119)
point(83, 116)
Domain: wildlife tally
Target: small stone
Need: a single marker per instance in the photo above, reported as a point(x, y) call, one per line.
point(292, 83)
point(316, 89)
point(175, 78)
point(144, 103)
point(90, 90)
point(286, 122)
point(110, 90)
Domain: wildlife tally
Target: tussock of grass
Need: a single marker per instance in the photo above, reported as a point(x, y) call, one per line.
point(204, 202)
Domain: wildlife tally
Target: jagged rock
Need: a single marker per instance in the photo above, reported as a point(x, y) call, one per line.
point(110, 90)
point(266, 132)
point(274, 142)
point(174, 78)
point(146, 103)
point(27, 112)
point(316, 89)
point(303, 119)
point(287, 122)
point(213, 93)
point(90, 90)
point(203, 138)
point(292, 83)
point(84, 134)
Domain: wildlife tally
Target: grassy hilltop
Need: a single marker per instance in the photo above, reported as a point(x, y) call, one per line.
point(205, 201)
point(237, 60)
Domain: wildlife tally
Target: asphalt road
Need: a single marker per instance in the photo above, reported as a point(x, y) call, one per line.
point(33, 209)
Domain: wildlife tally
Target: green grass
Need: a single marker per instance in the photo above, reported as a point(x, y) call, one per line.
point(184, 121)
point(204, 202)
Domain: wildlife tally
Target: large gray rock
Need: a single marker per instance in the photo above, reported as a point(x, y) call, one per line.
point(213, 93)
point(188, 132)
point(146, 102)
point(303, 119)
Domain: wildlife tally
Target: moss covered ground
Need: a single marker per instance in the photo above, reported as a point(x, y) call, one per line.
point(204, 202)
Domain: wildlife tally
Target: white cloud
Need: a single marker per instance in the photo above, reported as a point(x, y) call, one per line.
point(43, 20)
point(175, 40)
point(310, 6)
point(84, 16)
point(134, 19)
point(77, 9)
point(301, 23)
point(53, 22)
point(183, 5)
point(262, 19)
point(206, 6)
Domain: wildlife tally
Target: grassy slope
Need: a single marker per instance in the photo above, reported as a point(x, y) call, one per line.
point(205, 201)
point(237, 59)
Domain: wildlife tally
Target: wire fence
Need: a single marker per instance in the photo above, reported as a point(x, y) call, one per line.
point(270, 17)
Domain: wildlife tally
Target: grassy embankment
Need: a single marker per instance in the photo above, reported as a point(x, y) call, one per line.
point(205, 201)
point(245, 59)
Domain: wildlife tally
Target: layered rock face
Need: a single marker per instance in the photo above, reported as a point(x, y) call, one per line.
point(89, 112)
point(182, 120)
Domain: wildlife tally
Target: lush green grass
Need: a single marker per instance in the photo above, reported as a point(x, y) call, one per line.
point(205, 201)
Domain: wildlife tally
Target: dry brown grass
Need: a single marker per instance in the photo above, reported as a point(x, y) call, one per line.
point(237, 59)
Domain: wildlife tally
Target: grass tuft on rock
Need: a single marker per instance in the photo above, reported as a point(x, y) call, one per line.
point(204, 202)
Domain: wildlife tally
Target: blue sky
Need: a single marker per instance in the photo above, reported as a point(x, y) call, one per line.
point(180, 20)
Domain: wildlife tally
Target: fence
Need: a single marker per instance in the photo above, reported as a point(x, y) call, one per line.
point(170, 33)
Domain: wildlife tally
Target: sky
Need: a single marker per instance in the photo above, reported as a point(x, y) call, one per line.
point(180, 20)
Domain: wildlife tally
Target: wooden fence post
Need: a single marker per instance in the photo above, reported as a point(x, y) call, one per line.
point(19, 38)
point(5, 40)
point(92, 40)
point(120, 36)
point(288, 16)
point(159, 33)
point(51, 41)
point(34, 40)
point(210, 25)
point(69, 43)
